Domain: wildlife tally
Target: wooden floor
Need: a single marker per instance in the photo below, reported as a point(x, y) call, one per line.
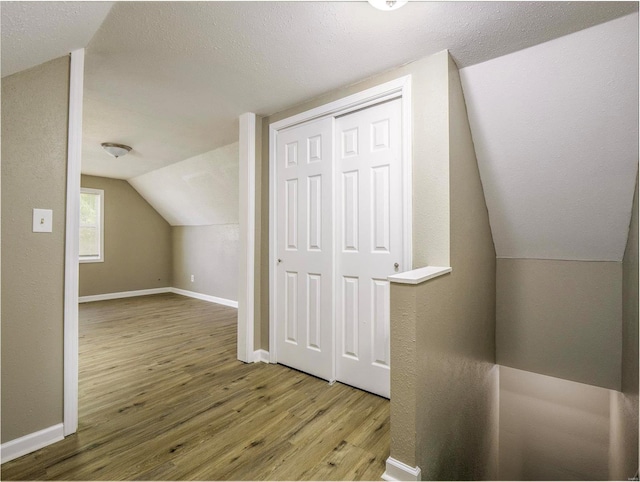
point(162, 397)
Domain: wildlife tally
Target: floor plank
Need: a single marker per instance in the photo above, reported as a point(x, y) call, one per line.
point(162, 397)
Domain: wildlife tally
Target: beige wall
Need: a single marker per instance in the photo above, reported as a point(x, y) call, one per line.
point(444, 392)
point(624, 404)
point(561, 318)
point(210, 254)
point(456, 379)
point(137, 243)
point(404, 371)
point(552, 429)
point(573, 320)
point(34, 150)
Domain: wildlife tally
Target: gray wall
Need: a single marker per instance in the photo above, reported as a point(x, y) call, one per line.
point(137, 243)
point(624, 410)
point(34, 159)
point(210, 254)
point(561, 318)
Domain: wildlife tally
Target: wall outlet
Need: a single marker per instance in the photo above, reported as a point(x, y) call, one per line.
point(193, 278)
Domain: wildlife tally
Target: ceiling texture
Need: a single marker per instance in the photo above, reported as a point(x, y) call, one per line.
point(553, 112)
point(36, 32)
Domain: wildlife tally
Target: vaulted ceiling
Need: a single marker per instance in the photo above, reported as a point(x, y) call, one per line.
point(555, 129)
point(553, 112)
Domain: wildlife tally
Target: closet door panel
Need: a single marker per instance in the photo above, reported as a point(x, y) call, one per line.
point(304, 287)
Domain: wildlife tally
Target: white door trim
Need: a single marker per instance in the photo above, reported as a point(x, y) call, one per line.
point(247, 205)
point(71, 263)
point(400, 87)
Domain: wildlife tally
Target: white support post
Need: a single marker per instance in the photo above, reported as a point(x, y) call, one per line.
point(247, 214)
point(71, 275)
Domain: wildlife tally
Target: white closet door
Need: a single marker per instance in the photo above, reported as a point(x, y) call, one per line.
point(369, 241)
point(304, 288)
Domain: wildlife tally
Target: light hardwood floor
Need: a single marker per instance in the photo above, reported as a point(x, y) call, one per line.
point(162, 397)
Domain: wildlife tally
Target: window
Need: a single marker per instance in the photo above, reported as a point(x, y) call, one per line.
point(91, 225)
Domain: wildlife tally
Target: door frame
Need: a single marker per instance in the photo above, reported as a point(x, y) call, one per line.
point(398, 88)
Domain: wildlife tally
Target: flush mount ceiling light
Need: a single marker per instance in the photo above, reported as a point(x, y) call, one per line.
point(387, 4)
point(116, 150)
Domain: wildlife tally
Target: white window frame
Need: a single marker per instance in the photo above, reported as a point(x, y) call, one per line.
point(100, 257)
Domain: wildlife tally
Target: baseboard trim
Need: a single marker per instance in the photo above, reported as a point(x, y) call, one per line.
point(123, 294)
point(397, 470)
point(155, 291)
point(31, 442)
point(261, 356)
point(200, 296)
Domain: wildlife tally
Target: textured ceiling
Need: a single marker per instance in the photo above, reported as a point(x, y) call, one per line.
point(555, 126)
point(555, 129)
point(171, 78)
point(202, 190)
point(36, 32)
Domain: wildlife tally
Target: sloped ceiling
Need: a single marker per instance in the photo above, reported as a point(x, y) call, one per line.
point(36, 32)
point(555, 128)
point(202, 190)
point(171, 78)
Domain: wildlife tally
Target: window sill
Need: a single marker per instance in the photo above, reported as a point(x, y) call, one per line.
point(91, 260)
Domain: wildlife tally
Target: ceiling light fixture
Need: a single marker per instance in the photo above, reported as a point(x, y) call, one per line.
point(387, 4)
point(116, 150)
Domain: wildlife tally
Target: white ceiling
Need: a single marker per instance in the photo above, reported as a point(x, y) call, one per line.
point(555, 129)
point(554, 125)
point(36, 32)
point(171, 78)
point(199, 191)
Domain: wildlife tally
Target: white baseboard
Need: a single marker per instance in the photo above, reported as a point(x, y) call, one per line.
point(30, 443)
point(123, 294)
point(155, 291)
point(261, 356)
point(397, 470)
point(200, 296)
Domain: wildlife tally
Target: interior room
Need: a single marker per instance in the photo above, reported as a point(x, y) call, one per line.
point(336, 240)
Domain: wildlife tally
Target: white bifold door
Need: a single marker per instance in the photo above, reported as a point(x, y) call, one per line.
point(339, 236)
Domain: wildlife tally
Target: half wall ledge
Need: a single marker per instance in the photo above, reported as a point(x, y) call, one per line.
point(420, 275)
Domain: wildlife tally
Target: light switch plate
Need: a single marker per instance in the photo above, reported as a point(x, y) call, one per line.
point(42, 220)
